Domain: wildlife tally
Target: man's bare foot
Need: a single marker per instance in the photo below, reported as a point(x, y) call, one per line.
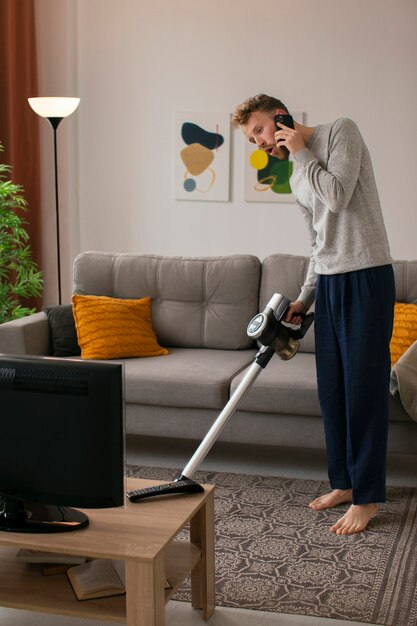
point(355, 520)
point(329, 500)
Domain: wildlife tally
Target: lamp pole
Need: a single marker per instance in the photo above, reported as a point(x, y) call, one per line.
point(54, 121)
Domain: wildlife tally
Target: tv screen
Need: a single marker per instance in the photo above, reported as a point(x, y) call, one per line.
point(61, 441)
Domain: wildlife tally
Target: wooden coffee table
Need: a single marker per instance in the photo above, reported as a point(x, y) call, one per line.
point(143, 536)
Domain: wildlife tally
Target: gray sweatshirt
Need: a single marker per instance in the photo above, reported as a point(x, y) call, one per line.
point(333, 182)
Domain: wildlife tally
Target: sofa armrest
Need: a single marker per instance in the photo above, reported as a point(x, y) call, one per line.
point(27, 335)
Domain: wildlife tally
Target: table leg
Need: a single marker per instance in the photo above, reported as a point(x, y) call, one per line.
point(202, 576)
point(145, 595)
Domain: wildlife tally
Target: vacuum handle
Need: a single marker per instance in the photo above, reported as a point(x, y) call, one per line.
point(299, 332)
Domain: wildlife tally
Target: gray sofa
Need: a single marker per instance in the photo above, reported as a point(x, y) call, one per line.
point(200, 311)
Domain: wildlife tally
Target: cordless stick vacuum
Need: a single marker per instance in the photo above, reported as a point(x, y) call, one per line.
point(273, 336)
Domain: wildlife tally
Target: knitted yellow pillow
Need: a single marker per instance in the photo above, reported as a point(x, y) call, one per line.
point(405, 329)
point(113, 328)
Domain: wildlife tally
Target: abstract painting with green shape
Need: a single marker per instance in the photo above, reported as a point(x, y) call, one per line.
point(276, 174)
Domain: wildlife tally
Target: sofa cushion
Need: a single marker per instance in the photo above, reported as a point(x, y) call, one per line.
point(114, 328)
point(404, 333)
point(62, 328)
point(187, 377)
point(284, 387)
point(199, 302)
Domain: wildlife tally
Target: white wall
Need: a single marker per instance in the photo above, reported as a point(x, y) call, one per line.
point(138, 62)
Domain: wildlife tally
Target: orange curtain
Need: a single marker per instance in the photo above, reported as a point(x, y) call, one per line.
point(19, 126)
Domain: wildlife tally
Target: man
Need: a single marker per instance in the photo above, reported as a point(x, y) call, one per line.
point(350, 277)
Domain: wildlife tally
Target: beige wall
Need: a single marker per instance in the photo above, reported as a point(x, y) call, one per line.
point(135, 63)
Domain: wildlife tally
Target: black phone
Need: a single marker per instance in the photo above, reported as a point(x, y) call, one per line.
point(287, 120)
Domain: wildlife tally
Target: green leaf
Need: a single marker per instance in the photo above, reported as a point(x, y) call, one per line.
point(19, 275)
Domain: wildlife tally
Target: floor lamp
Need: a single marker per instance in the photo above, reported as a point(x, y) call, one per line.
point(54, 110)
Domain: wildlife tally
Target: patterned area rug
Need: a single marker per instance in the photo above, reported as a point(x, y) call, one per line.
point(274, 554)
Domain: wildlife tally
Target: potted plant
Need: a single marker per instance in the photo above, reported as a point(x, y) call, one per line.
point(19, 275)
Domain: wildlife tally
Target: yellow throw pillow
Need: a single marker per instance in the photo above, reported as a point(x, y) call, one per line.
point(113, 328)
point(404, 333)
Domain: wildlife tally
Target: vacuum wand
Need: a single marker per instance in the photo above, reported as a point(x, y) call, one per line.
point(214, 432)
point(273, 337)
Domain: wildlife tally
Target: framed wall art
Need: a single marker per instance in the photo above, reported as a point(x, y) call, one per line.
point(266, 178)
point(202, 156)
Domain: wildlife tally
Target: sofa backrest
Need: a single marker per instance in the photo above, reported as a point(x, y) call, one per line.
point(198, 302)
point(405, 273)
point(284, 273)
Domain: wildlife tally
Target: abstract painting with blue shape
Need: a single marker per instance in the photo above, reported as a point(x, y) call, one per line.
point(202, 156)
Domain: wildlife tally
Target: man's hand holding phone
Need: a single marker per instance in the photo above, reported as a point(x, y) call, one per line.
point(286, 135)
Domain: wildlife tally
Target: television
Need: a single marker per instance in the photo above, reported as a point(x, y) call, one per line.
point(62, 441)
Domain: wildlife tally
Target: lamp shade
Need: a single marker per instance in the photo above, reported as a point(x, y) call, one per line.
point(54, 107)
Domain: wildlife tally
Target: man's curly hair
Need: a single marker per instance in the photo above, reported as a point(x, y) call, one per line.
point(261, 102)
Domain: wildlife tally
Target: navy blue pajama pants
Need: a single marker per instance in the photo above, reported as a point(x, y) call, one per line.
point(353, 326)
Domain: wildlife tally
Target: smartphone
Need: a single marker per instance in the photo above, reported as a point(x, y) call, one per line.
point(287, 120)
